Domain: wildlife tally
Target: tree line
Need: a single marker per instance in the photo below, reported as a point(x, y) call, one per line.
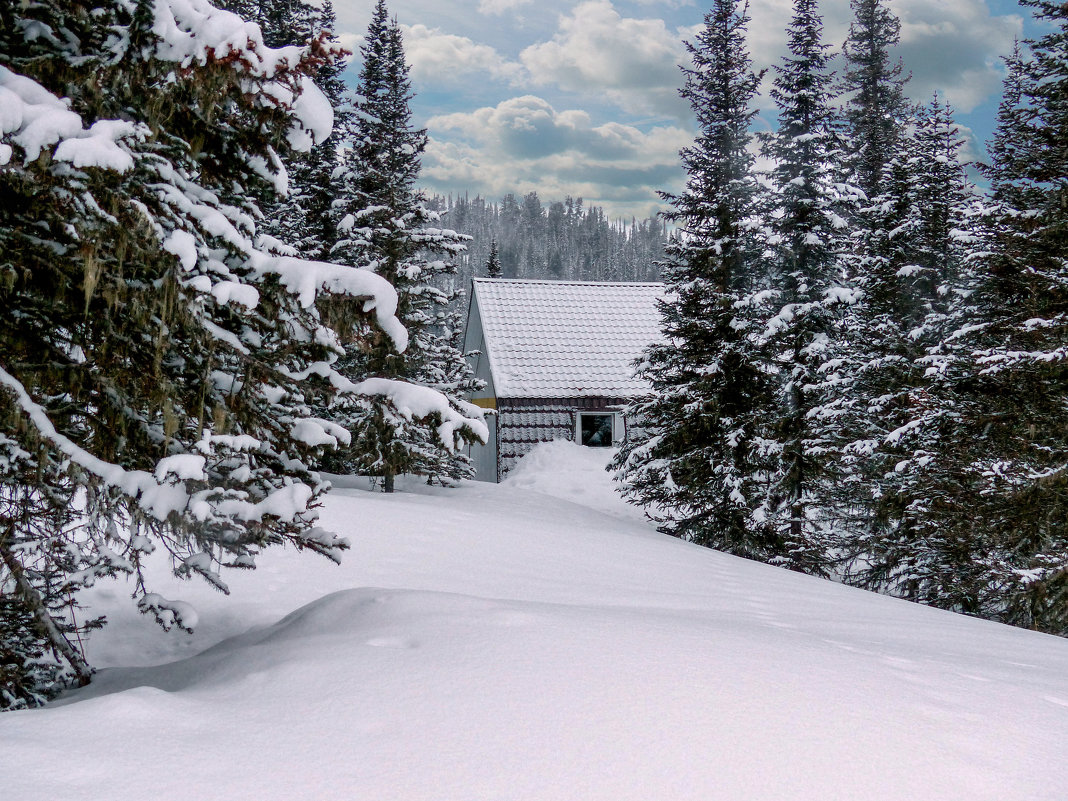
point(864, 364)
point(563, 241)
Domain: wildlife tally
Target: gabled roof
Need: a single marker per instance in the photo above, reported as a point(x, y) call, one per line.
point(551, 339)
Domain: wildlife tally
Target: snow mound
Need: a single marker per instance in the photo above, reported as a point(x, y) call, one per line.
point(496, 642)
point(573, 473)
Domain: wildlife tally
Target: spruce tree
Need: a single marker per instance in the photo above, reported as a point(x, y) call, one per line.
point(873, 85)
point(158, 369)
point(302, 220)
point(908, 277)
point(386, 227)
point(692, 458)
point(493, 263)
point(1001, 490)
point(806, 235)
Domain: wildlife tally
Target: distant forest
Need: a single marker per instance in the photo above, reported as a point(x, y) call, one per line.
point(562, 241)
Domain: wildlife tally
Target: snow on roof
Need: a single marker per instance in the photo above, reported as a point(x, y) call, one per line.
point(549, 339)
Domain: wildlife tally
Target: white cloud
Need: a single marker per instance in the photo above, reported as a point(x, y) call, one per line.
point(525, 144)
point(667, 3)
point(954, 47)
point(626, 52)
point(351, 42)
point(633, 62)
point(437, 57)
point(500, 6)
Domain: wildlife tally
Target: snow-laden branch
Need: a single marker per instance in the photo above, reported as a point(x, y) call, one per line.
point(156, 493)
point(411, 401)
point(305, 279)
point(155, 498)
point(35, 119)
point(196, 32)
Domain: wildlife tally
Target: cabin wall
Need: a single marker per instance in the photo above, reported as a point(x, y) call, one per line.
point(475, 341)
point(483, 457)
point(523, 423)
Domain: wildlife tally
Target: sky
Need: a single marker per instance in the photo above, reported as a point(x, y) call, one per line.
point(580, 97)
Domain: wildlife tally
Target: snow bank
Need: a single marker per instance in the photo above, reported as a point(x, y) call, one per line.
point(492, 642)
point(573, 473)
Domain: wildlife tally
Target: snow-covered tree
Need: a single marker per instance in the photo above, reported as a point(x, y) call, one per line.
point(493, 263)
point(873, 85)
point(807, 237)
point(569, 241)
point(907, 275)
point(303, 218)
point(999, 511)
point(692, 457)
point(159, 363)
point(386, 227)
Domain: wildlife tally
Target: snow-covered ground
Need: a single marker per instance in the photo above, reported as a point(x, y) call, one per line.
point(537, 640)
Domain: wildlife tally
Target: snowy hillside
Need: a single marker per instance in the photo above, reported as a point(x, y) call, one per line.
point(537, 640)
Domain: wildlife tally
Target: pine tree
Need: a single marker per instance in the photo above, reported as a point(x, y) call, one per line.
point(807, 238)
point(302, 220)
point(872, 82)
point(1001, 491)
point(158, 369)
point(493, 263)
point(692, 459)
point(907, 277)
point(386, 226)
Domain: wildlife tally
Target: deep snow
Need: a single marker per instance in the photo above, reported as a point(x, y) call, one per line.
point(538, 640)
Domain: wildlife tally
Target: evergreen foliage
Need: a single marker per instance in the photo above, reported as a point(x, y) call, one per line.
point(386, 226)
point(159, 365)
point(908, 278)
point(873, 85)
point(1000, 494)
point(493, 263)
point(888, 400)
point(303, 218)
point(806, 220)
point(560, 240)
point(694, 460)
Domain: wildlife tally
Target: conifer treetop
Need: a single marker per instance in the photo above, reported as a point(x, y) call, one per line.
point(873, 82)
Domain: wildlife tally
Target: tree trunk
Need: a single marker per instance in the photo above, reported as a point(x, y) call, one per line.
point(387, 482)
point(45, 625)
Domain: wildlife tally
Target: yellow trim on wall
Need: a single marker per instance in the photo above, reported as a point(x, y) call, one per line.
point(485, 403)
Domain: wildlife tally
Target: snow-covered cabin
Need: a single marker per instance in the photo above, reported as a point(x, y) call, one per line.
point(557, 358)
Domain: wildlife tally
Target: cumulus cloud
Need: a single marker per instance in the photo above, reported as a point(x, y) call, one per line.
point(954, 47)
point(436, 57)
point(500, 6)
point(525, 144)
point(667, 3)
point(626, 52)
point(633, 62)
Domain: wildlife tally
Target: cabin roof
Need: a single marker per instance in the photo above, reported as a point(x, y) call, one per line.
point(556, 339)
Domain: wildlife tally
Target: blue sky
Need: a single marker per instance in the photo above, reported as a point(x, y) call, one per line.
point(580, 97)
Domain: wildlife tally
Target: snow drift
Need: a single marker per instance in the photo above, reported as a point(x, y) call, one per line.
point(509, 642)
